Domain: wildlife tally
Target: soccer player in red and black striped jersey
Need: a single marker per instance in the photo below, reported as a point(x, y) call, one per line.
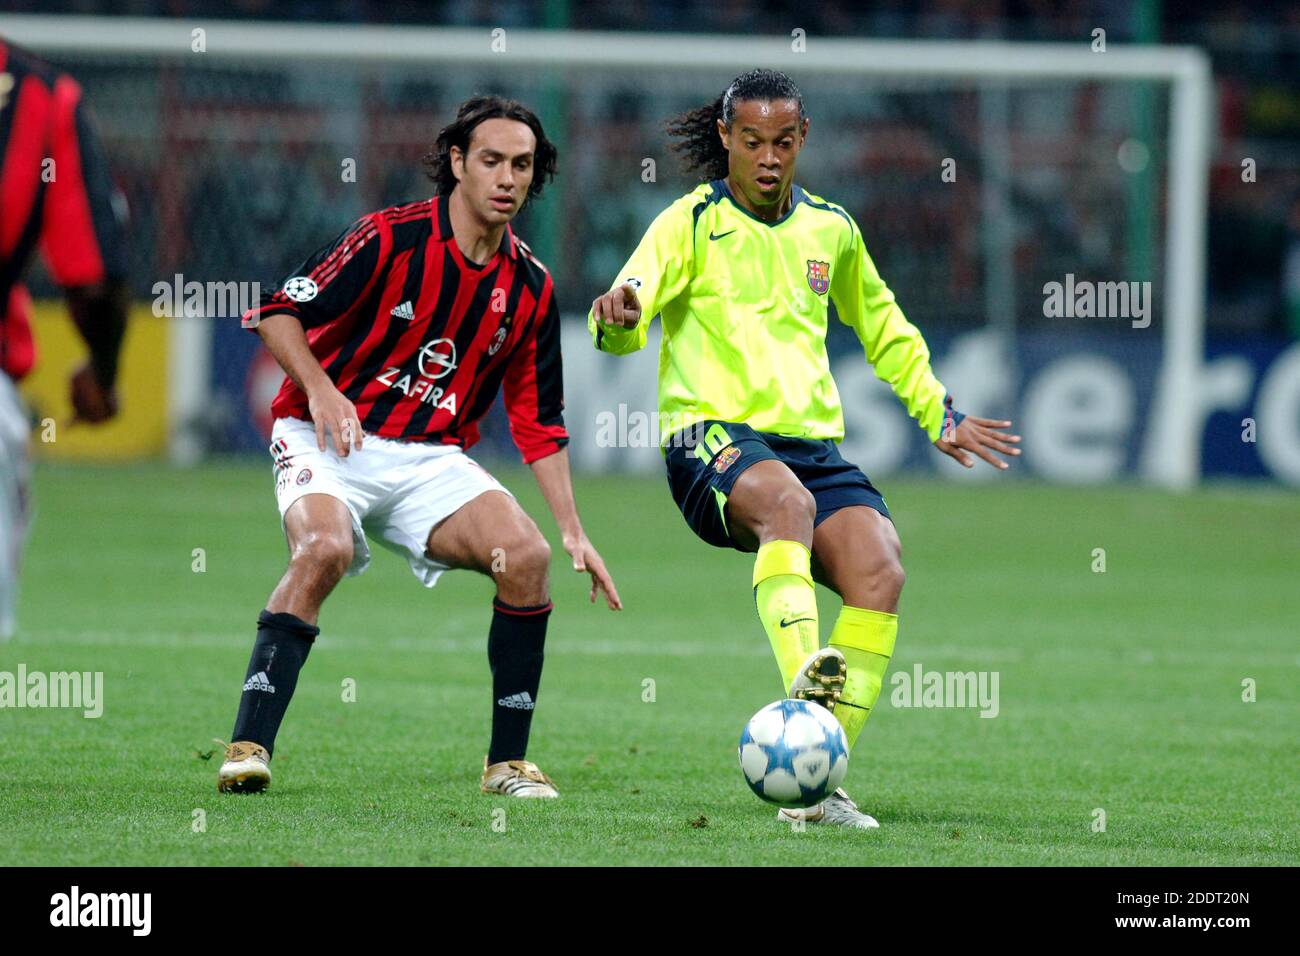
point(396, 339)
point(55, 194)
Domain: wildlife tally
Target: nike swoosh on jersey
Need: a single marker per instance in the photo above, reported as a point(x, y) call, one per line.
point(712, 237)
point(795, 621)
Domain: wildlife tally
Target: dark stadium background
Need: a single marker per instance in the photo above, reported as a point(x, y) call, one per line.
point(250, 205)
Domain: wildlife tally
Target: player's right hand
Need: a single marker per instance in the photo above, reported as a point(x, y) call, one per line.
point(335, 415)
point(618, 306)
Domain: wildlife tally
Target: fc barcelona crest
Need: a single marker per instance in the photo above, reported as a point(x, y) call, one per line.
point(819, 276)
point(725, 458)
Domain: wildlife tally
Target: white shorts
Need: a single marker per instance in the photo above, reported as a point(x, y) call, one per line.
point(15, 478)
point(396, 491)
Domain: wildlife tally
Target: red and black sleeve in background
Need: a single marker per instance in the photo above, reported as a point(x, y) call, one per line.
point(55, 186)
point(534, 385)
point(343, 272)
point(56, 193)
point(83, 239)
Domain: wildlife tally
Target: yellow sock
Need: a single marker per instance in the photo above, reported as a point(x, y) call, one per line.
point(866, 639)
point(787, 603)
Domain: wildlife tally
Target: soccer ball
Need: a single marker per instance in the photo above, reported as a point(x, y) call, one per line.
point(793, 753)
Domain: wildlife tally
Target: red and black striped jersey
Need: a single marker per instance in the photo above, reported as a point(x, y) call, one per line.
point(55, 192)
point(420, 339)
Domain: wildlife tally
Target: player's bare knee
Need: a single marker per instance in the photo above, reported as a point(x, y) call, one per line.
point(523, 571)
point(326, 554)
point(534, 557)
point(892, 578)
point(795, 506)
point(881, 583)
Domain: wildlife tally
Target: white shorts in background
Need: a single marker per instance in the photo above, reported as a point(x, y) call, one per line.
point(15, 478)
point(396, 490)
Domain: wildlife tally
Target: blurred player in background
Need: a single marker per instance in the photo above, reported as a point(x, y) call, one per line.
point(741, 269)
point(396, 339)
point(55, 192)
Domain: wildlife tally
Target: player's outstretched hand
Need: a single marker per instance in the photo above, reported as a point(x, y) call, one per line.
point(334, 414)
point(587, 558)
point(91, 402)
point(618, 306)
point(979, 435)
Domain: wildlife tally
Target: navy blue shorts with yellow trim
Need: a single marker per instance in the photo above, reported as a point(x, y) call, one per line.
point(705, 460)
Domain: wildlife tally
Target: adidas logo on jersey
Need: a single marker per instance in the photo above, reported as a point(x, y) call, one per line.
point(404, 311)
point(260, 682)
point(517, 701)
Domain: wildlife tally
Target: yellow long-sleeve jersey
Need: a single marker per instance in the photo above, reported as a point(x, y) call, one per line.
point(744, 306)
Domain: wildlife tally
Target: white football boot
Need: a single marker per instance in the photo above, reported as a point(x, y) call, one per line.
point(821, 679)
point(837, 810)
point(516, 778)
point(246, 768)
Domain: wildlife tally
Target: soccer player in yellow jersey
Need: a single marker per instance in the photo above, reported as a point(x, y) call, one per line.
point(740, 269)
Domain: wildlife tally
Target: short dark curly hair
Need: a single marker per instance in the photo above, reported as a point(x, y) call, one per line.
point(476, 109)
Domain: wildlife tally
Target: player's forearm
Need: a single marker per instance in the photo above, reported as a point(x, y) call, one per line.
point(554, 480)
point(921, 393)
point(287, 343)
point(899, 355)
point(99, 312)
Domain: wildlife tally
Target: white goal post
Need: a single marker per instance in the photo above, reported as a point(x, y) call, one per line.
point(1171, 457)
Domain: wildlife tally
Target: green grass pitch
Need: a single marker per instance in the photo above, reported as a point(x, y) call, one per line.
point(1119, 690)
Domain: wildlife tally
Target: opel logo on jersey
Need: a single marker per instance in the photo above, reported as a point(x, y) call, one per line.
point(437, 358)
point(301, 288)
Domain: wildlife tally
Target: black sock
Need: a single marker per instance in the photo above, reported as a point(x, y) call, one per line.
point(279, 652)
point(515, 656)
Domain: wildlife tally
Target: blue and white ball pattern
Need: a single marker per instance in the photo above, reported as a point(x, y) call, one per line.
point(793, 753)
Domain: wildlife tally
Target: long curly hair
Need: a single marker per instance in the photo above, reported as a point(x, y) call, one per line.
point(475, 110)
point(699, 145)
